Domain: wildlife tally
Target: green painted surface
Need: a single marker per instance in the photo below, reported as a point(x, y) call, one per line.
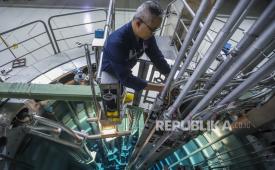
point(47, 91)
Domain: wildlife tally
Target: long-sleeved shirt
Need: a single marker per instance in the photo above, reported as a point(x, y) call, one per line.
point(121, 52)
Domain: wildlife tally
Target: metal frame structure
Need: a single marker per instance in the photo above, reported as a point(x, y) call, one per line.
point(155, 142)
point(26, 40)
point(228, 91)
point(53, 29)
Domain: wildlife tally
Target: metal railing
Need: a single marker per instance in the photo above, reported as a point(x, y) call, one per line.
point(166, 15)
point(77, 37)
point(141, 157)
point(16, 45)
point(82, 153)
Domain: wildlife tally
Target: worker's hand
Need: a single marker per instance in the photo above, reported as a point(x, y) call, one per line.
point(154, 87)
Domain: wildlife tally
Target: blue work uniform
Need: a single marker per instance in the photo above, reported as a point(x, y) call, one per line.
point(121, 52)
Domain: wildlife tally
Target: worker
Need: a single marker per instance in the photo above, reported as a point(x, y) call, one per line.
point(125, 45)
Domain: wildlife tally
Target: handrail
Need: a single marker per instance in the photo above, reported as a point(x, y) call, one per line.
point(7, 46)
point(78, 25)
point(75, 25)
point(25, 54)
point(28, 39)
point(165, 16)
point(107, 27)
point(22, 41)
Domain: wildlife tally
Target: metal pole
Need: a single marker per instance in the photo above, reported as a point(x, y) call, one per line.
point(247, 56)
point(247, 70)
point(109, 19)
point(228, 29)
point(186, 42)
point(136, 155)
point(153, 150)
point(265, 19)
point(108, 26)
point(158, 102)
point(262, 22)
point(211, 54)
point(103, 136)
point(267, 68)
point(52, 29)
point(91, 79)
point(184, 46)
point(51, 123)
point(48, 137)
point(193, 14)
point(56, 131)
point(92, 119)
point(201, 35)
point(42, 22)
point(165, 17)
point(220, 71)
point(174, 36)
point(163, 137)
point(113, 14)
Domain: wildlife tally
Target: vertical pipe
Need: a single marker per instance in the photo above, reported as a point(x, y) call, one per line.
point(184, 46)
point(149, 155)
point(267, 68)
point(174, 36)
point(158, 102)
point(201, 35)
point(247, 56)
point(188, 39)
point(53, 35)
point(91, 79)
point(265, 19)
point(211, 54)
point(257, 60)
point(220, 71)
point(109, 23)
point(165, 17)
point(49, 36)
point(237, 16)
